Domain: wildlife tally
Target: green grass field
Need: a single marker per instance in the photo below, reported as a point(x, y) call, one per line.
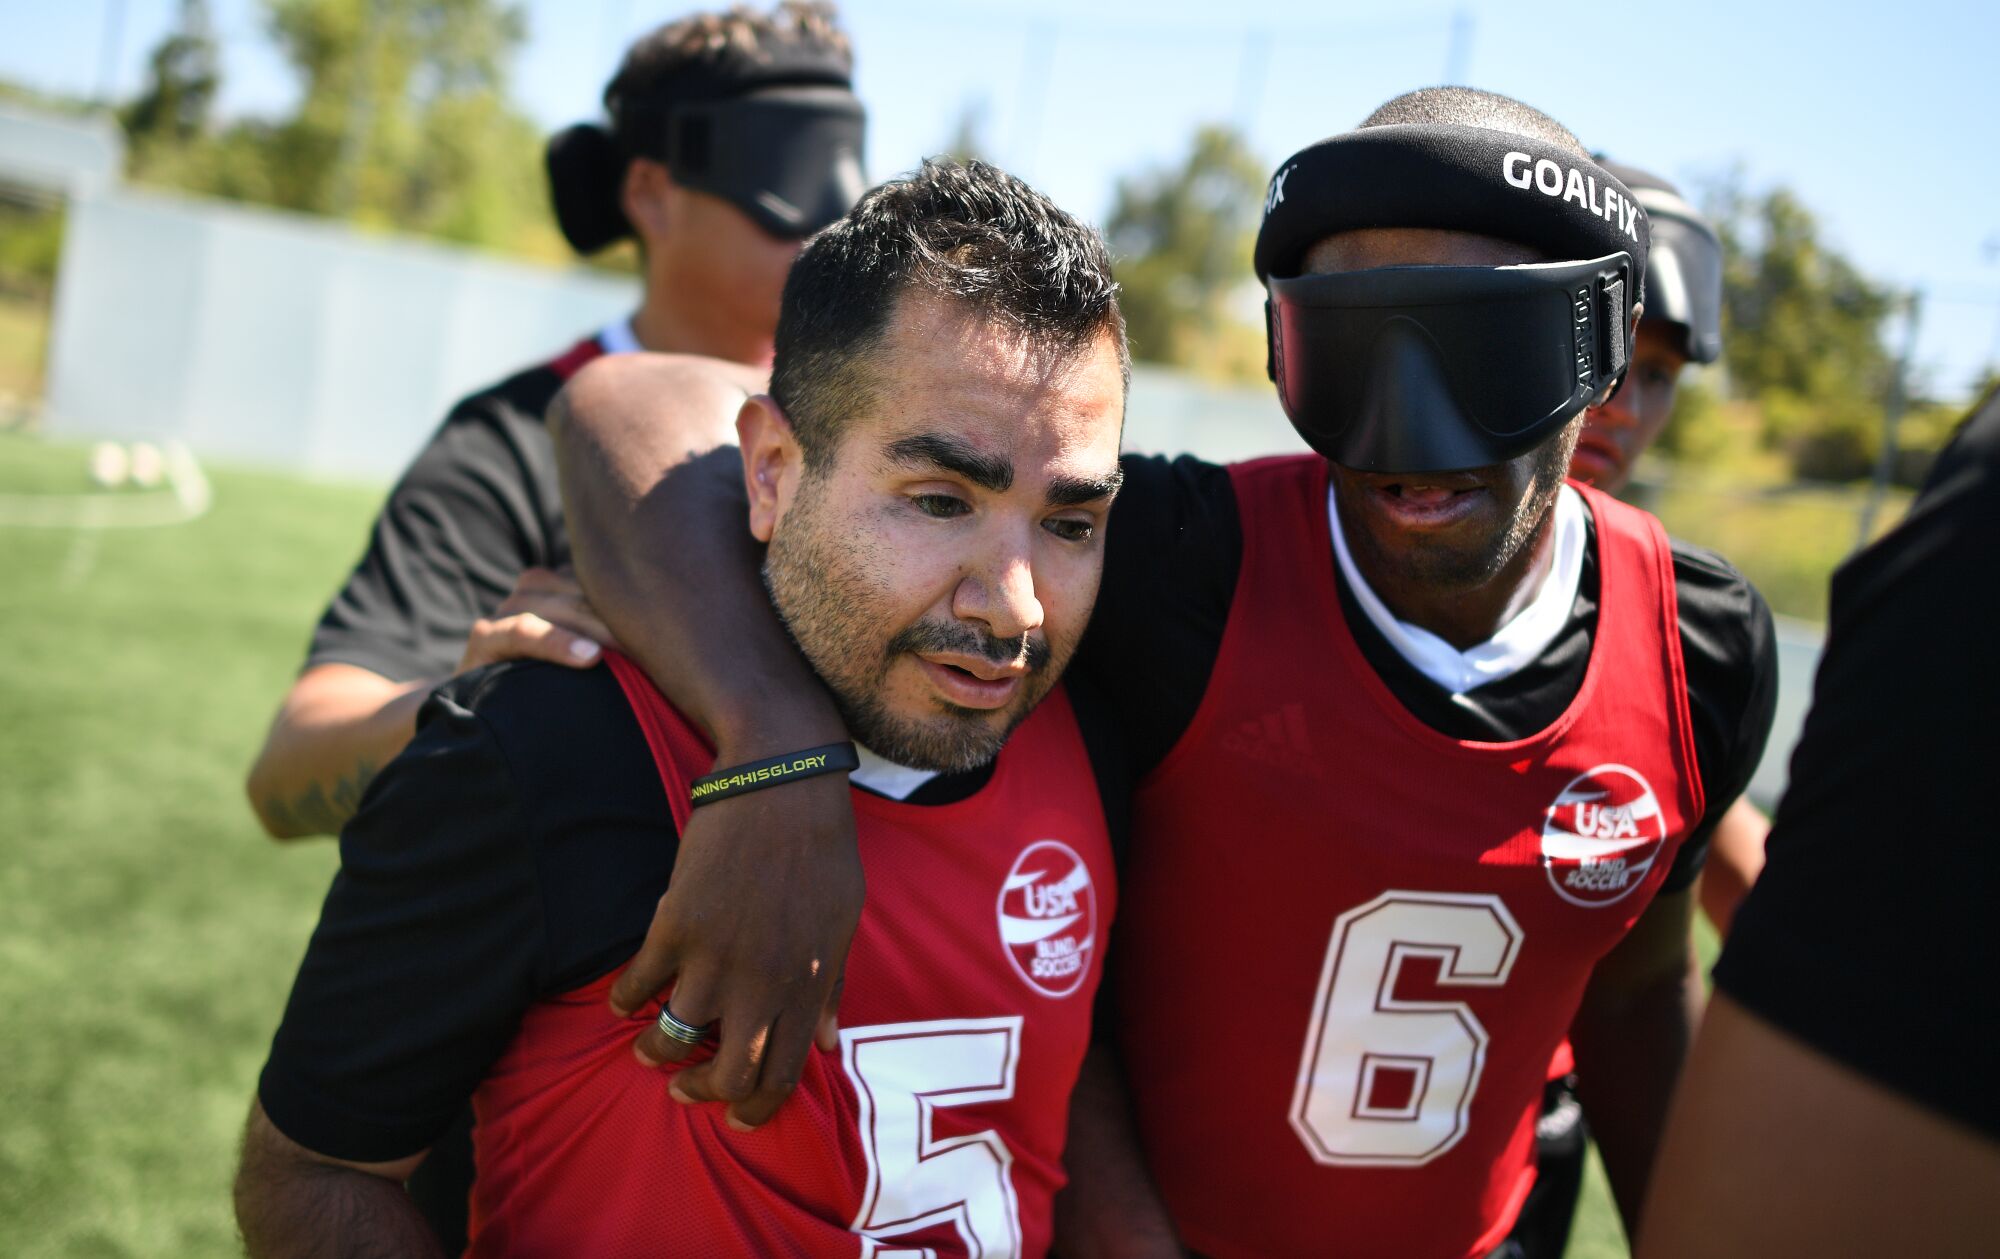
point(150, 931)
point(24, 335)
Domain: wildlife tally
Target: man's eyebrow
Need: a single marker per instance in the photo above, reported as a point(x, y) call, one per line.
point(953, 454)
point(1070, 491)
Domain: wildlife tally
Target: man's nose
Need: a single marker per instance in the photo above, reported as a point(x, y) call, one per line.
point(1001, 593)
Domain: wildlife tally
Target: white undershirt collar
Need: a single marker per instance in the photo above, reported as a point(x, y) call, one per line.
point(617, 337)
point(885, 777)
point(1516, 644)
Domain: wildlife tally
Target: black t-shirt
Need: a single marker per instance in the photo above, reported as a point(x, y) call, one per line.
point(515, 850)
point(1175, 547)
point(478, 506)
point(1869, 934)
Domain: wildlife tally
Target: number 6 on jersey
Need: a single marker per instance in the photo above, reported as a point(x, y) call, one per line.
point(1386, 1082)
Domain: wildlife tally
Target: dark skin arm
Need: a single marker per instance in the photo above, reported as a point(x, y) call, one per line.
point(1110, 1208)
point(292, 1203)
point(767, 888)
point(1631, 1036)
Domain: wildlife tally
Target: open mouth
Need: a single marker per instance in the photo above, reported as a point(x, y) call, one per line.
point(1427, 503)
point(1426, 495)
point(971, 683)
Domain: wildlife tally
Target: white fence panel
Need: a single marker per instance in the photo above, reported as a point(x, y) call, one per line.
point(282, 340)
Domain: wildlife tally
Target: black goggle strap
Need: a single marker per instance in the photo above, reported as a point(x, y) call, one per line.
point(695, 130)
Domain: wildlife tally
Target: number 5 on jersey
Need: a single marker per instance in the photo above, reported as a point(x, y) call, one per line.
point(903, 1074)
point(1384, 1081)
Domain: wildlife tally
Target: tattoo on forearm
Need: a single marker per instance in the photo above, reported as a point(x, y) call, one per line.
point(320, 810)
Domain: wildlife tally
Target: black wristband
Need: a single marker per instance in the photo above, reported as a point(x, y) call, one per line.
point(834, 758)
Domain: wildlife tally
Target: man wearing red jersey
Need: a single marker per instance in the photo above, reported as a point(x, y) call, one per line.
point(930, 473)
point(467, 564)
point(1431, 742)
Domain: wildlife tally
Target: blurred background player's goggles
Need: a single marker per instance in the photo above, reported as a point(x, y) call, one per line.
point(1684, 274)
point(1430, 369)
point(789, 157)
point(1433, 369)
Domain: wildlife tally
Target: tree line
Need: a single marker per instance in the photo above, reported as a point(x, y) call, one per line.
point(404, 121)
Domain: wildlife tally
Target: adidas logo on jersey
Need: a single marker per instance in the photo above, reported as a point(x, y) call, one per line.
point(1279, 739)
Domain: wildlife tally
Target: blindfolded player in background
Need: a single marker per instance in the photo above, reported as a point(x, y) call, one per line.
point(731, 138)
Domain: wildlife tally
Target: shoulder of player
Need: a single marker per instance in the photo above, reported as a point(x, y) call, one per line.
point(504, 419)
point(524, 396)
point(555, 761)
point(1958, 505)
point(1163, 482)
point(551, 723)
point(1714, 596)
point(492, 448)
point(1728, 637)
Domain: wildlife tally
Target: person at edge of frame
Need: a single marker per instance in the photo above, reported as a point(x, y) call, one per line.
point(1840, 1099)
point(932, 474)
point(468, 561)
point(1548, 703)
point(1682, 324)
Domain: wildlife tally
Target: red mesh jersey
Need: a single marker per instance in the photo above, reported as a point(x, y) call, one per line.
point(937, 1129)
point(1362, 940)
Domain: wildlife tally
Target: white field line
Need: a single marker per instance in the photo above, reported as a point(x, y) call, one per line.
point(185, 497)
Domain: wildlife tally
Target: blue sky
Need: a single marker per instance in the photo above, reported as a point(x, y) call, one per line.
point(1873, 113)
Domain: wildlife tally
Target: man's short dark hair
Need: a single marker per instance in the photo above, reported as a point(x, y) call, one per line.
point(963, 231)
point(1474, 107)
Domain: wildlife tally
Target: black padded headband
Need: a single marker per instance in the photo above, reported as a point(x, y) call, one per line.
point(586, 163)
point(1456, 178)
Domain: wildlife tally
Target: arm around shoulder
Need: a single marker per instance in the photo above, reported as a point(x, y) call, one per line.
point(658, 513)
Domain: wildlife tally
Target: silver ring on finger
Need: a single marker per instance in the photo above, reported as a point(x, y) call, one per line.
point(686, 1033)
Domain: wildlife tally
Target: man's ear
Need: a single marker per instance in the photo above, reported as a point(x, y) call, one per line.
point(643, 196)
point(772, 462)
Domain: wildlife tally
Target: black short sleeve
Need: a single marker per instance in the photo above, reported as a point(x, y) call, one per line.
point(430, 944)
point(1869, 934)
point(1729, 649)
point(515, 850)
point(1173, 548)
point(479, 505)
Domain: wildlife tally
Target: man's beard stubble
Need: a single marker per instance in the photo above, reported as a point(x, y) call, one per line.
point(822, 593)
point(1448, 569)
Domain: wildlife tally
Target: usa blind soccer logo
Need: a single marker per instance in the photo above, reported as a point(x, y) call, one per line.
point(1048, 917)
point(1602, 835)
